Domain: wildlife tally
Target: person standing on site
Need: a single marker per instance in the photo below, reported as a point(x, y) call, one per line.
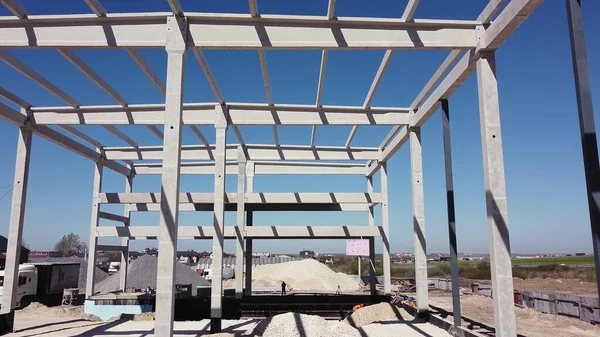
point(283, 285)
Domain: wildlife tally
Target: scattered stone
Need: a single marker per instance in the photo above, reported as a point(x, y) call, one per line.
point(300, 325)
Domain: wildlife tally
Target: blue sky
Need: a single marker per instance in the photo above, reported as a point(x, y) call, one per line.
point(544, 172)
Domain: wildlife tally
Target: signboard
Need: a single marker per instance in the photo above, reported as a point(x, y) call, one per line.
point(357, 247)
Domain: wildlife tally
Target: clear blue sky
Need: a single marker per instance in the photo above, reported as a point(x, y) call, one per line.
point(544, 172)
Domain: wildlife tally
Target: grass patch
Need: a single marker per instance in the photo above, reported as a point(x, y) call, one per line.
point(568, 260)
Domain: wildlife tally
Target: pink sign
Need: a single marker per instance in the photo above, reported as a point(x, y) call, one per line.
point(357, 247)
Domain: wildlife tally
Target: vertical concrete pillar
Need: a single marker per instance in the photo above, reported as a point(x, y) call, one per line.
point(418, 208)
point(372, 274)
point(451, 216)
point(17, 214)
point(495, 193)
point(385, 223)
point(169, 202)
point(239, 229)
point(249, 222)
point(586, 123)
point(91, 272)
point(219, 220)
point(125, 254)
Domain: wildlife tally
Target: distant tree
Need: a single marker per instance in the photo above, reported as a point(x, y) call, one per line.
point(151, 251)
point(70, 244)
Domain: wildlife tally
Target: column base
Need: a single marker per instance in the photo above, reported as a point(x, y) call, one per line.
point(215, 325)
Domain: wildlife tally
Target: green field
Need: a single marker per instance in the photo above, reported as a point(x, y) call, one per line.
point(567, 260)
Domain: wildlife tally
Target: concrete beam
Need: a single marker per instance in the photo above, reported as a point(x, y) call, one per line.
point(495, 194)
point(15, 225)
point(254, 152)
point(372, 271)
point(251, 198)
point(264, 168)
point(176, 34)
point(250, 232)
point(236, 31)
point(418, 208)
point(125, 241)
point(410, 9)
point(240, 114)
point(260, 207)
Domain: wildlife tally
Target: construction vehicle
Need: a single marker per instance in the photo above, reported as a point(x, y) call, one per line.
point(43, 282)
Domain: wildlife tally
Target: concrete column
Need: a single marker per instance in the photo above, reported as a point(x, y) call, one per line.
point(451, 216)
point(17, 214)
point(385, 223)
point(91, 272)
point(249, 222)
point(372, 274)
point(169, 202)
point(495, 193)
point(586, 123)
point(418, 207)
point(239, 229)
point(219, 220)
point(125, 254)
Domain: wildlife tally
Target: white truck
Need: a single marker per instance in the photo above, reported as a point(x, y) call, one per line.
point(43, 282)
point(228, 273)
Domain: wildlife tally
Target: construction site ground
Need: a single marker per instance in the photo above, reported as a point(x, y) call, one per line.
point(478, 314)
point(30, 323)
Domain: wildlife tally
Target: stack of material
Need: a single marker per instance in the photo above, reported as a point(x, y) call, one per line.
point(299, 325)
point(305, 275)
point(381, 312)
point(141, 274)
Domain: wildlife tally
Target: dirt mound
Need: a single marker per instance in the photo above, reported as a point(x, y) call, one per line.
point(299, 325)
point(377, 313)
point(141, 274)
point(66, 311)
point(305, 275)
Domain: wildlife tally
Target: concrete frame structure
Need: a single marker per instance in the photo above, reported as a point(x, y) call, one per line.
point(472, 44)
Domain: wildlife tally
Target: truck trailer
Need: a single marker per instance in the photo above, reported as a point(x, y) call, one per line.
point(43, 282)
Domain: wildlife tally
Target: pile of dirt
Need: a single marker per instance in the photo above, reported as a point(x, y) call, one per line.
point(39, 309)
point(300, 325)
point(304, 275)
point(141, 274)
point(377, 313)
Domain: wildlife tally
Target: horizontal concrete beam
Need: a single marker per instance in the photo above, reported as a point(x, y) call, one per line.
point(112, 248)
point(235, 31)
point(113, 217)
point(251, 198)
point(239, 114)
point(254, 152)
point(270, 207)
point(264, 168)
point(253, 232)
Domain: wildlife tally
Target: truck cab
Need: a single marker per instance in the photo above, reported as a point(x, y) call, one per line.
point(26, 284)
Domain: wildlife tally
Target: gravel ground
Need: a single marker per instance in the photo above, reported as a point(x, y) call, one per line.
point(141, 274)
point(62, 312)
point(299, 325)
point(304, 275)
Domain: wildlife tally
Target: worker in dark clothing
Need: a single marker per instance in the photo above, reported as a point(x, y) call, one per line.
point(283, 285)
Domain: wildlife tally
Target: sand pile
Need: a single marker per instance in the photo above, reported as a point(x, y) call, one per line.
point(141, 274)
point(299, 325)
point(305, 275)
point(39, 309)
point(377, 313)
